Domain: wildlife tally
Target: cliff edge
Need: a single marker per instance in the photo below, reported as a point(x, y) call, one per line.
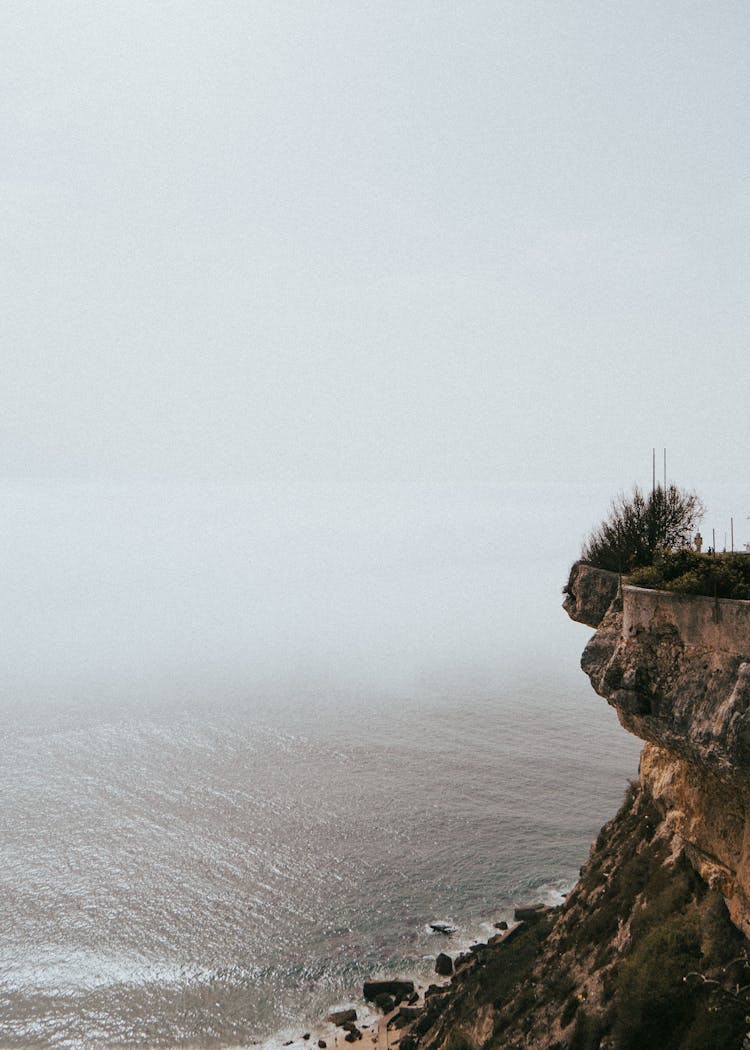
point(650, 950)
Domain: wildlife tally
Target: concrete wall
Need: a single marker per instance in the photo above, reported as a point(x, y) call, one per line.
point(722, 624)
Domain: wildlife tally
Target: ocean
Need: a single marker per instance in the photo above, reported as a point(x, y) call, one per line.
point(235, 786)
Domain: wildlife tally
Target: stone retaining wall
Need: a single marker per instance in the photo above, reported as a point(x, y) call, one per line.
point(722, 624)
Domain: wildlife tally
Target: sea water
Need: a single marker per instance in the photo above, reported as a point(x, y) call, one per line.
point(217, 850)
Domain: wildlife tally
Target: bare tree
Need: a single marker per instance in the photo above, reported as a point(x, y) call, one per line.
point(640, 525)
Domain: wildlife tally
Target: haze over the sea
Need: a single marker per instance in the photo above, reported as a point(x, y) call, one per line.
point(328, 331)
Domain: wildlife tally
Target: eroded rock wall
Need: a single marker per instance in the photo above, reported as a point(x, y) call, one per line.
point(650, 949)
point(683, 686)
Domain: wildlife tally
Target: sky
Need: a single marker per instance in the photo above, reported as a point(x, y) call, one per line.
point(355, 247)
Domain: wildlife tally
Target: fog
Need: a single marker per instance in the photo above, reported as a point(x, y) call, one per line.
point(329, 329)
point(184, 591)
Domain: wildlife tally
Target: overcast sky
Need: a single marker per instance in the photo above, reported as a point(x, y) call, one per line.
point(411, 289)
point(372, 241)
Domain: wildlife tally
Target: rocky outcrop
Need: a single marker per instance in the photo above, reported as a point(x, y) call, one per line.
point(674, 684)
point(589, 593)
point(642, 956)
point(650, 949)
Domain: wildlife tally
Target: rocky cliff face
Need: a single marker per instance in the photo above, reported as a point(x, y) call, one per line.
point(649, 951)
point(690, 702)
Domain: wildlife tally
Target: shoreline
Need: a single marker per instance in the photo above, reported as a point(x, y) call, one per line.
point(377, 1031)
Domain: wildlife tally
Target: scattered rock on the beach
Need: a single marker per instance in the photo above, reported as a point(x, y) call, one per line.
point(342, 1017)
point(529, 912)
point(444, 965)
point(306, 1036)
point(322, 1044)
point(405, 1016)
point(501, 925)
point(398, 989)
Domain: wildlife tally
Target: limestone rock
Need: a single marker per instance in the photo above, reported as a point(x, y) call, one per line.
point(589, 593)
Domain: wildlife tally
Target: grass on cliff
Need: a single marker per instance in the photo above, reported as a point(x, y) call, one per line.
point(687, 572)
point(670, 986)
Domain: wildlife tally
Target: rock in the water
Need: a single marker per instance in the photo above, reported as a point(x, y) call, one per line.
point(501, 925)
point(398, 989)
point(322, 1044)
point(342, 1017)
point(384, 1002)
point(353, 1034)
point(442, 927)
point(444, 965)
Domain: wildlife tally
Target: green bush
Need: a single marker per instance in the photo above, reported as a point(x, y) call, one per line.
point(655, 1003)
point(687, 572)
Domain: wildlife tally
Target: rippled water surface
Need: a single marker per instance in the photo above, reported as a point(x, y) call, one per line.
point(252, 742)
point(221, 874)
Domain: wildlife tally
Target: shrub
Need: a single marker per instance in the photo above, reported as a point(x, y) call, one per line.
point(638, 526)
point(687, 572)
point(655, 1003)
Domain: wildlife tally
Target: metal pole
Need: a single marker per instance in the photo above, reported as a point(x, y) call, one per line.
point(731, 522)
point(653, 471)
point(713, 543)
point(665, 470)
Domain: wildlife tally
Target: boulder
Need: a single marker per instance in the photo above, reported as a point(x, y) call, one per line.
point(405, 1016)
point(384, 1002)
point(501, 925)
point(398, 989)
point(442, 927)
point(444, 965)
point(342, 1017)
point(353, 1034)
point(529, 912)
point(322, 1044)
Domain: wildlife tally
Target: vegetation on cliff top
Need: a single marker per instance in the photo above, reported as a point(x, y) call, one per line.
point(688, 572)
point(640, 526)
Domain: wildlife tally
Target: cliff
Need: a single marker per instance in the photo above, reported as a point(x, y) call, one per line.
point(649, 951)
